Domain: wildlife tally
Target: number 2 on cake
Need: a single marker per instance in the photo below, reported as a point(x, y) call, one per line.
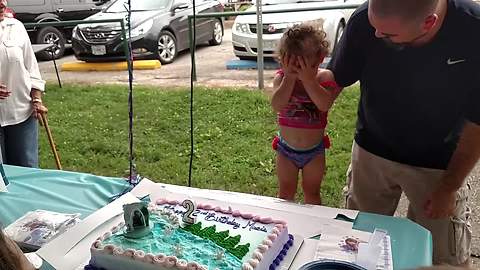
point(187, 216)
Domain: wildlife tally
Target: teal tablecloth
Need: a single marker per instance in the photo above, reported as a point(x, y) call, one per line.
point(71, 192)
point(60, 191)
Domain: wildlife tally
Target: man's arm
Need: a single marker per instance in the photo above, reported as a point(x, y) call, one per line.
point(441, 202)
point(322, 97)
point(464, 158)
point(348, 59)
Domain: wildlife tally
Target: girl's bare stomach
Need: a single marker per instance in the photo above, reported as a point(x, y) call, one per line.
point(301, 138)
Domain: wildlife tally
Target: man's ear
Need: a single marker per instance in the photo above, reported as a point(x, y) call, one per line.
point(430, 22)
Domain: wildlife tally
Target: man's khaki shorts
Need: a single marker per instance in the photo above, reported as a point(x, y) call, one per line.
point(375, 184)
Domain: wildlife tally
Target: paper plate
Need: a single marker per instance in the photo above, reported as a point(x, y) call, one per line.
point(330, 265)
point(34, 259)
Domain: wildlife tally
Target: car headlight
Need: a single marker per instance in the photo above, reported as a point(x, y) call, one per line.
point(142, 29)
point(242, 28)
point(282, 26)
point(318, 22)
point(294, 23)
point(75, 34)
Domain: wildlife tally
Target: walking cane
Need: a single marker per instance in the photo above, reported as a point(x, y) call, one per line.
point(44, 122)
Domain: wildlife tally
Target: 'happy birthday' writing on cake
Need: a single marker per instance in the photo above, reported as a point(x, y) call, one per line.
point(213, 216)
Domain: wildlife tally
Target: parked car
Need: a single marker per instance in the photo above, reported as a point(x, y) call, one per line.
point(244, 30)
point(159, 30)
point(37, 11)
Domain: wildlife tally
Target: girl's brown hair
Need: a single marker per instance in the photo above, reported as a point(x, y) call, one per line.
point(9, 256)
point(303, 39)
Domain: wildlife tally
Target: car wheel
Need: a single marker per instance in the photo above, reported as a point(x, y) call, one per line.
point(338, 34)
point(217, 33)
point(167, 47)
point(51, 35)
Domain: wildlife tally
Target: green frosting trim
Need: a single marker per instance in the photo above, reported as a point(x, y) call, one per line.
point(208, 232)
point(223, 239)
point(194, 228)
point(230, 243)
point(241, 250)
point(219, 237)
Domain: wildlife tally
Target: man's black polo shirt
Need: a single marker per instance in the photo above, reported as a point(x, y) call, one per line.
point(413, 102)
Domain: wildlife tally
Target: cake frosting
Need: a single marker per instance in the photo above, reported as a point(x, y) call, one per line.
point(218, 238)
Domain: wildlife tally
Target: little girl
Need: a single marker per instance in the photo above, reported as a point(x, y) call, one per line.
point(303, 95)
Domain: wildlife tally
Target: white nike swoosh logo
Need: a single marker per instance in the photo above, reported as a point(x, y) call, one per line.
point(453, 62)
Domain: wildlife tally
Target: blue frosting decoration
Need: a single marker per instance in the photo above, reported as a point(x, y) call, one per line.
point(282, 253)
point(165, 238)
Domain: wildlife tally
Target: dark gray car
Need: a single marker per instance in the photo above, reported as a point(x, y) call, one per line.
point(36, 11)
point(159, 30)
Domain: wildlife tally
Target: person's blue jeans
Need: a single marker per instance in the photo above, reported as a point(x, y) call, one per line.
point(19, 143)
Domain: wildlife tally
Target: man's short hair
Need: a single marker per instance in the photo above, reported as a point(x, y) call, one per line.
point(405, 9)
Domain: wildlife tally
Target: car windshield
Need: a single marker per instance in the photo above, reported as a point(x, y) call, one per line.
point(138, 5)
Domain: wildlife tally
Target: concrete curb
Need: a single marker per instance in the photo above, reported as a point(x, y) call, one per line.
point(110, 66)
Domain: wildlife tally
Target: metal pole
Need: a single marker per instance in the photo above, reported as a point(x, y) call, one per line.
point(260, 45)
point(229, 14)
point(56, 68)
point(70, 23)
point(191, 43)
point(132, 178)
point(126, 50)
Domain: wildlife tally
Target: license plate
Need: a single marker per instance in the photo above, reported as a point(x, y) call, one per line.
point(270, 45)
point(99, 50)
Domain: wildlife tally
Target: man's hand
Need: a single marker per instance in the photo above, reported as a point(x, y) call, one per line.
point(441, 203)
point(306, 72)
point(4, 93)
point(39, 108)
point(289, 63)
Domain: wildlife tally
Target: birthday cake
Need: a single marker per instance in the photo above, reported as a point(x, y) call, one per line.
point(180, 235)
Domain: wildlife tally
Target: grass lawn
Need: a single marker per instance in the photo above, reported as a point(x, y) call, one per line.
point(233, 133)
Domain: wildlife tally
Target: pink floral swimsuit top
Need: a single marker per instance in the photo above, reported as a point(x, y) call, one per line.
point(300, 111)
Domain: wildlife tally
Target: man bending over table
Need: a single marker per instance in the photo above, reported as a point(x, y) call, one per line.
point(418, 127)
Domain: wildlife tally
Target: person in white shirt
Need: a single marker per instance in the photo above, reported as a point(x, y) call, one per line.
point(21, 88)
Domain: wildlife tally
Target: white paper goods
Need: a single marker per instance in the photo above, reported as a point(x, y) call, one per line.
point(344, 246)
point(36, 228)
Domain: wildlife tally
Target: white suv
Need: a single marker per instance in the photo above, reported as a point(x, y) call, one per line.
point(244, 30)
